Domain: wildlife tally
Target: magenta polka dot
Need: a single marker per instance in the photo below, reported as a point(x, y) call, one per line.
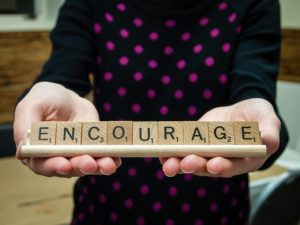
point(168, 50)
point(98, 60)
point(132, 172)
point(166, 79)
point(170, 222)
point(185, 208)
point(92, 180)
point(80, 216)
point(140, 220)
point(181, 64)
point(234, 202)
point(173, 191)
point(123, 61)
point(109, 17)
point(223, 79)
point(198, 48)
point(156, 206)
point(138, 49)
point(122, 91)
point(91, 209)
point(153, 36)
point(223, 6)
point(243, 185)
point(160, 175)
point(106, 106)
point(116, 186)
point(151, 93)
point(192, 110)
point(232, 17)
point(97, 28)
point(224, 220)
point(124, 33)
point(113, 216)
point(215, 32)
point(188, 177)
point(193, 77)
point(226, 188)
point(201, 192)
point(147, 159)
point(138, 22)
point(213, 207)
point(207, 94)
point(121, 7)
point(209, 61)
point(136, 108)
point(138, 76)
point(107, 75)
point(85, 190)
point(170, 23)
point(152, 64)
point(110, 45)
point(241, 214)
point(226, 47)
point(144, 189)
point(185, 36)
point(80, 198)
point(102, 198)
point(198, 222)
point(204, 21)
point(178, 94)
point(164, 110)
point(239, 29)
point(128, 203)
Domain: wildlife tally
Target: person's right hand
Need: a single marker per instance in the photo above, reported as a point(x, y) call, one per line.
point(52, 102)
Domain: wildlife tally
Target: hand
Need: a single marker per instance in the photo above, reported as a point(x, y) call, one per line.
point(248, 110)
point(52, 102)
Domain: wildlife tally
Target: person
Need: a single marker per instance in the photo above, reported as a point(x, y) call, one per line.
point(209, 60)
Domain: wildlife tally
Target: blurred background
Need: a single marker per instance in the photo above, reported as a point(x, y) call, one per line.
point(24, 47)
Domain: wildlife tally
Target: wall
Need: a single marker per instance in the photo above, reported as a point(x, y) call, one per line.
point(290, 11)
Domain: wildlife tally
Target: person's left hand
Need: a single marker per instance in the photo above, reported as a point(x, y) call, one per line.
point(248, 110)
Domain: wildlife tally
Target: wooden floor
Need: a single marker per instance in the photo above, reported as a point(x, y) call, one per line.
point(29, 199)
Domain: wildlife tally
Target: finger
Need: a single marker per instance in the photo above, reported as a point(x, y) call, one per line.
point(171, 167)
point(163, 159)
point(83, 165)
point(194, 164)
point(107, 165)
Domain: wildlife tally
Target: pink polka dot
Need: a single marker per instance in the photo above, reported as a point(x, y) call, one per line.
point(226, 47)
point(128, 203)
point(152, 64)
point(147, 159)
point(215, 32)
point(188, 177)
point(198, 222)
point(116, 186)
point(185, 36)
point(110, 45)
point(109, 17)
point(198, 48)
point(185, 208)
point(243, 185)
point(138, 76)
point(193, 77)
point(107, 75)
point(121, 7)
point(136, 108)
point(106, 106)
point(97, 28)
point(201, 192)
point(224, 220)
point(232, 17)
point(144, 189)
point(132, 172)
point(226, 188)
point(164, 110)
point(239, 29)
point(213, 207)
point(99, 60)
point(241, 214)
point(138, 49)
point(207, 94)
point(204, 21)
point(170, 23)
point(140, 220)
point(102, 198)
point(178, 94)
point(91, 209)
point(166, 79)
point(138, 22)
point(192, 110)
point(151, 93)
point(160, 175)
point(92, 180)
point(223, 6)
point(181, 64)
point(209, 61)
point(156, 206)
point(168, 50)
point(153, 36)
point(122, 91)
point(113, 216)
point(124, 33)
point(80, 198)
point(170, 222)
point(123, 61)
point(85, 190)
point(223, 79)
point(173, 191)
point(80, 216)
point(234, 202)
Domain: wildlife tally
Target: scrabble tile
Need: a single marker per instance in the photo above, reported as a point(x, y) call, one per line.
point(170, 132)
point(43, 133)
point(246, 133)
point(145, 133)
point(195, 133)
point(119, 132)
point(68, 133)
point(221, 133)
point(94, 133)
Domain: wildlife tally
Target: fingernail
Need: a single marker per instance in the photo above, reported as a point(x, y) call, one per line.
point(102, 172)
point(18, 149)
point(188, 172)
point(212, 172)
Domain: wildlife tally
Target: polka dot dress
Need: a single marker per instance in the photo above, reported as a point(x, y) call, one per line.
point(153, 67)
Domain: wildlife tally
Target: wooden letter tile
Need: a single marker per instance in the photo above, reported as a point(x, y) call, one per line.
point(170, 133)
point(43, 133)
point(221, 133)
point(119, 132)
point(94, 133)
point(68, 133)
point(145, 133)
point(246, 133)
point(195, 133)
